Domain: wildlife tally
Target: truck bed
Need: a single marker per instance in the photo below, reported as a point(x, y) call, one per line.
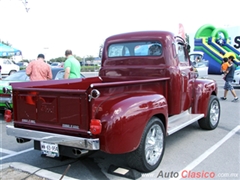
point(53, 106)
point(63, 106)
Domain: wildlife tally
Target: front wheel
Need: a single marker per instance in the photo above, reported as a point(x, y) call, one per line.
point(148, 155)
point(12, 71)
point(211, 121)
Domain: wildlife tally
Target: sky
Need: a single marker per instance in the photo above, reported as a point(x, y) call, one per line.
point(52, 26)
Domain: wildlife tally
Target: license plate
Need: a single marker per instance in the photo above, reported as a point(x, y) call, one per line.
point(50, 149)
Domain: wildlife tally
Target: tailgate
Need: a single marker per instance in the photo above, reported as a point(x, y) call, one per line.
point(51, 109)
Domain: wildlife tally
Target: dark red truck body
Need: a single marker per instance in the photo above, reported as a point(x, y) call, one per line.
point(130, 90)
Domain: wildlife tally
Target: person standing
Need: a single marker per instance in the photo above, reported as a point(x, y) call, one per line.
point(38, 70)
point(229, 73)
point(71, 66)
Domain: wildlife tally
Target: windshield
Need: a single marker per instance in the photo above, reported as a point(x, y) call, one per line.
point(54, 64)
point(196, 57)
point(197, 60)
point(135, 49)
point(18, 76)
point(60, 75)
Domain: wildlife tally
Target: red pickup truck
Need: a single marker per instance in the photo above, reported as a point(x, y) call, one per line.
point(146, 90)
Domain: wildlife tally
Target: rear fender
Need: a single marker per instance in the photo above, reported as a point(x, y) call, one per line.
point(203, 89)
point(124, 118)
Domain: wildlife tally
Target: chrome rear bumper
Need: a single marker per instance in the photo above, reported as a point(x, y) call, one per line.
point(4, 99)
point(65, 140)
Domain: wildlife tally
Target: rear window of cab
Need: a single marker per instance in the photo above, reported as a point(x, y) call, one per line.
point(147, 48)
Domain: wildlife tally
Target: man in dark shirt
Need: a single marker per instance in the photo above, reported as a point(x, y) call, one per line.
point(228, 79)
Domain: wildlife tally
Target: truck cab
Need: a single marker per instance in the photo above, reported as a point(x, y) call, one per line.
point(152, 57)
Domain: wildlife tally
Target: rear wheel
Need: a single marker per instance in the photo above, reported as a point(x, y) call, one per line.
point(2, 111)
point(211, 121)
point(148, 155)
point(11, 72)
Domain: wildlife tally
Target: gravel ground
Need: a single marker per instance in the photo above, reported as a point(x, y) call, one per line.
point(21, 171)
point(14, 174)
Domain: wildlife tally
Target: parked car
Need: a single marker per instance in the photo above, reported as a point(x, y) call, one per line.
point(22, 65)
point(20, 76)
point(236, 78)
point(199, 63)
point(8, 67)
point(56, 65)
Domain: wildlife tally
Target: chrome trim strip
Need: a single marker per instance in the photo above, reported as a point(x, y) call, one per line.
point(4, 99)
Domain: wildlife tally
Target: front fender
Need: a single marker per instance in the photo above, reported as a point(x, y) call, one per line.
point(124, 118)
point(203, 89)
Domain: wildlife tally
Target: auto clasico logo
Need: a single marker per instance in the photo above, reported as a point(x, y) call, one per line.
point(186, 174)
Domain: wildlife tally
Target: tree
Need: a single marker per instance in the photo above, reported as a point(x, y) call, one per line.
point(59, 59)
point(78, 58)
point(89, 58)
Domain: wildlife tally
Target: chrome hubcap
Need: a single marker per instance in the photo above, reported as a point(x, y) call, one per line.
point(214, 112)
point(154, 144)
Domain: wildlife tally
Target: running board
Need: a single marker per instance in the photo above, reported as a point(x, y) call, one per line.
point(177, 122)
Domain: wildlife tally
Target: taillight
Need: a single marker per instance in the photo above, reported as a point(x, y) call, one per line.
point(30, 99)
point(95, 126)
point(8, 115)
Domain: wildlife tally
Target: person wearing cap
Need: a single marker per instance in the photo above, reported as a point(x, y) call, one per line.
point(72, 66)
point(229, 73)
point(38, 70)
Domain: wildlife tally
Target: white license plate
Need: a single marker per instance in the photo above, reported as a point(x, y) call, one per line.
point(50, 149)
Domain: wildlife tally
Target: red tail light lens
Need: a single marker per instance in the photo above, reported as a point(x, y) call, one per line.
point(8, 115)
point(30, 98)
point(95, 126)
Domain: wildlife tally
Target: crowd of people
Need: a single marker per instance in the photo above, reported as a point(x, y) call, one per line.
point(39, 70)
